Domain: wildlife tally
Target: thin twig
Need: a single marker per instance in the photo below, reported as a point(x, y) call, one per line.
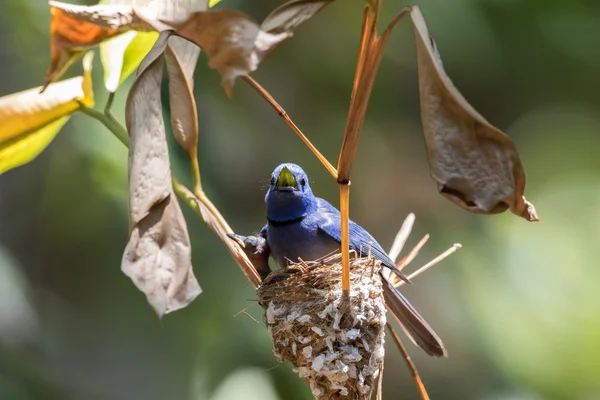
point(380, 382)
point(455, 247)
point(409, 363)
point(407, 259)
point(267, 96)
point(401, 237)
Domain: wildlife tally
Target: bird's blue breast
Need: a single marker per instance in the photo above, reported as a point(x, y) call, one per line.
point(301, 239)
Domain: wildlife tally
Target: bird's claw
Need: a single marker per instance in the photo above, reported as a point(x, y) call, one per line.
point(238, 239)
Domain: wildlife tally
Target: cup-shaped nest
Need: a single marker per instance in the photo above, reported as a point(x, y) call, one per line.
point(335, 342)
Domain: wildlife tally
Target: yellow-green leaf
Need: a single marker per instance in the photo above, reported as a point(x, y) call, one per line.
point(29, 120)
point(22, 151)
point(122, 55)
point(212, 3)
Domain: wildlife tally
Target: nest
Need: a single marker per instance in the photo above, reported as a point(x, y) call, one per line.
point(335, 342)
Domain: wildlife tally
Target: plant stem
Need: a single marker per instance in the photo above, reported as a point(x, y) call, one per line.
point(344, 216)
point(283, 114)
point(193, 155)
point(110, 123)
point(410, 364)
point(179, 188)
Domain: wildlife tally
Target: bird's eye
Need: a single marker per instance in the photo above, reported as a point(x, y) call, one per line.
point(302, 181)
point(272, 181)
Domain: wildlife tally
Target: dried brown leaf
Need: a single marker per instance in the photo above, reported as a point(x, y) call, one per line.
point(182, 57)
point(184, 117)
point(73, 29)
point(157, 12)
point(288, 16)
point(158, 255)
point(369, 57)
point(475, 164)
point(232, 40)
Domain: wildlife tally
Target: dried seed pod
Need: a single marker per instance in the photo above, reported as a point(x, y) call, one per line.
point(334, 342)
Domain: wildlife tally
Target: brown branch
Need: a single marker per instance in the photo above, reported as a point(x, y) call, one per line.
point(282, 113)
point(409, 363)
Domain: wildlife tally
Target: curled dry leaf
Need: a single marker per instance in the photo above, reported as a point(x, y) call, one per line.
point(288, 16)
point(370, 53)
point(232, 40)
point(475, 164)
point(73, 29)
point(156, 12)
point(158, 255)
point(29, 120)
point(182, 56)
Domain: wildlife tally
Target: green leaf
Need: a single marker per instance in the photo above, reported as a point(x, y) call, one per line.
point(29, 120)
point(122, 55)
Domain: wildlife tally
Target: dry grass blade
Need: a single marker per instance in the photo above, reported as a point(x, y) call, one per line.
point(369, 57)
point(412, 254)
point(407, 259)
point(409, 363)
point(380, 383)
point(401, 237)
point(455, 247)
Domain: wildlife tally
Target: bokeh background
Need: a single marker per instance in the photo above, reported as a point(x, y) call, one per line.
point(518, 307)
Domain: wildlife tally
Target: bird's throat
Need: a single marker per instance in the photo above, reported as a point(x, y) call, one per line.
point(284, 207)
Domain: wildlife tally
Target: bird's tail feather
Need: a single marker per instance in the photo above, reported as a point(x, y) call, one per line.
point(415, 327)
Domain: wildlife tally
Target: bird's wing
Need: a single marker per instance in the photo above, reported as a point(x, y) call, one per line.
point(360, 239)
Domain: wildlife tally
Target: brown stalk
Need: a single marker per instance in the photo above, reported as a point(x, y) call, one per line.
point(410, 364)
point(369, 58)
point(202, 206)
point(282, 113)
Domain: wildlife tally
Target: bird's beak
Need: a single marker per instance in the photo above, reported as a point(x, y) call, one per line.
point(286, 179)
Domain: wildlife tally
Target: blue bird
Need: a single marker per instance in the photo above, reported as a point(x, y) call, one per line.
point(301, 225)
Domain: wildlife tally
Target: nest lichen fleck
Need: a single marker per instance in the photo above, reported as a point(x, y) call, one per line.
point(334, 342)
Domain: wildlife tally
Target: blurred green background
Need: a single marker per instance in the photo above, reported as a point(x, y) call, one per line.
point(518, 307)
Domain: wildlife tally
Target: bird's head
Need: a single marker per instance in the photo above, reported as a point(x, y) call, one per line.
point(289, 195)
